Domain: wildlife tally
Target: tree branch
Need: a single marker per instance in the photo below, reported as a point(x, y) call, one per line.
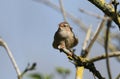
point(92, 14)
point(87, 50)
point(79, 61)
point(85, 44)
point(80, 70)
point(62, 10)
point(109, 22)
point(118, 77)
point(108, 10)
point(4, 44)
point(111, 54)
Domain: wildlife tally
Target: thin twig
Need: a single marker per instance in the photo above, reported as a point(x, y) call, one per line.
point(95, 37)
point(115, 35)
point(87, 38)
point(106, 48)
point(111, 54)
point(62, 10)
point(92, 14)
point(4, 44)
point(115, 4)
point(28, 68)
point(118, 77)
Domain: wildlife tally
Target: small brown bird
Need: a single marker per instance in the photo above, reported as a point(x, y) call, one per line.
point(64, 37)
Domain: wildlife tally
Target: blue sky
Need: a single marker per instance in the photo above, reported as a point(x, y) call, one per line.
point(28, 28)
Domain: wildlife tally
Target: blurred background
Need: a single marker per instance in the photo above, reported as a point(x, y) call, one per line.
point(28, 27)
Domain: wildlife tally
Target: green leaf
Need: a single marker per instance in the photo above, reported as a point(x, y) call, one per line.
point(36, 76)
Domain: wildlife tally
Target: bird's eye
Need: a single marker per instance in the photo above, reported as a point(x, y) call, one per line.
point(65, 25)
